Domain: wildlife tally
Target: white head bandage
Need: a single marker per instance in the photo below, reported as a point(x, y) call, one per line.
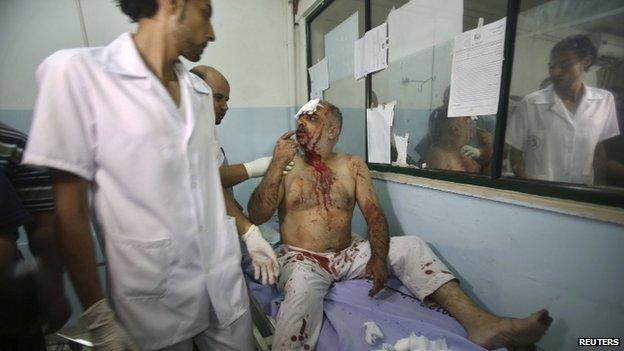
point(308, 108)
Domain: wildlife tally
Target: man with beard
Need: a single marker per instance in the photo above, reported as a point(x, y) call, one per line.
point(130, 138)
point(315, 203)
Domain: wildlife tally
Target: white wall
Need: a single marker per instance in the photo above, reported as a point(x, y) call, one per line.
point(250, 48)
point(30, 30)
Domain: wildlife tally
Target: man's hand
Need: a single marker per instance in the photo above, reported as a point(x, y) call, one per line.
point(262, 255)
point(471, 152)
point(106, 332)
point(285, 149)
point(378, 270)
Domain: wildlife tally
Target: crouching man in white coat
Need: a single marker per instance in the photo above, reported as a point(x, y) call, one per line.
point(130, 138)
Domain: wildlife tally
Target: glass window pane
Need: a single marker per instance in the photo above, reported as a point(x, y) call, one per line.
point(419, 76)
point(330, 34)
point(567, 86)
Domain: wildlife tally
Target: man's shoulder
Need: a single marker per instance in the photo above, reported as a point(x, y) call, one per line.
point(349, 157)
point(67, 61)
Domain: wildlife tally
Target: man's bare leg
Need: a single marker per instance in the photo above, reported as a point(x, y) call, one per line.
point(486, 329)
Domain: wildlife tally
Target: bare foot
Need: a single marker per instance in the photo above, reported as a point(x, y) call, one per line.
point(495, 332)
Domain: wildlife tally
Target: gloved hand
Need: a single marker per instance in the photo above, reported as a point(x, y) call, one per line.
point(372, 333)
point(258, 167)
point(106, 332)
point(262, 255)
point(470, 151)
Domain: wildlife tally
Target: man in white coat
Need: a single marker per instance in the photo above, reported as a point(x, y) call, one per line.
point(129, 138)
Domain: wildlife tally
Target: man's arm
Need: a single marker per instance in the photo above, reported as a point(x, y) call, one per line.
point(516, 160)
point(236, 174)
point(232, 175)
point(72, 223)
point(376, 222)
point(231, 206)
point(72, 220)
point(44, 247)
point(263, 259)
point(600, 164)
point(270, 192)
point(486, 141)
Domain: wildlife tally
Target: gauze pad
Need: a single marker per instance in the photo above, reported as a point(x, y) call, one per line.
point(308, 108)
point(372, 333)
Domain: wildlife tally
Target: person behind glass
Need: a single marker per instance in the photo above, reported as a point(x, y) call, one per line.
point(557, 133)
point(449, 136)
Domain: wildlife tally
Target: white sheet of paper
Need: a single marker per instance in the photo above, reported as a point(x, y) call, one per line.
point(401, 145)
point(476, 72)
point(371, 51)
point(378, 125)
point(319, 76)
point(316, 95)
point(338, 44)
point(422, 24)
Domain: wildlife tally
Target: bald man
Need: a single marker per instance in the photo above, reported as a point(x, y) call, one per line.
point(238, 173)
point(263, 257)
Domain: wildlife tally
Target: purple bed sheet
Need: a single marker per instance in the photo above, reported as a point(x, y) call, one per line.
point(347, 306)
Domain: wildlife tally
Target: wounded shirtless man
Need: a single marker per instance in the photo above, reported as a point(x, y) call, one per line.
point(315, 202)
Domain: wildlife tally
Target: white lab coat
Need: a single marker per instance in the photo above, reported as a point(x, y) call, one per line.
point(557, 145)
point(171, 251)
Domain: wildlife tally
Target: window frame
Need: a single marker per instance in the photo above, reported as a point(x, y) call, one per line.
point(595, 195)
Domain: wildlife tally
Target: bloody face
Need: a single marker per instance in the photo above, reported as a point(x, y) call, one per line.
point(193, 29)
point(566, 69)
point(310, 127)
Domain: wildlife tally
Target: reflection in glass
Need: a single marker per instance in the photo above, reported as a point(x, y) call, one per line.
point(556, 132)
point(567, 125)
point(419, 76)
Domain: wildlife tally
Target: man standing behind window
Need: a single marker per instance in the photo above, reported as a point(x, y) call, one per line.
point(126, 123)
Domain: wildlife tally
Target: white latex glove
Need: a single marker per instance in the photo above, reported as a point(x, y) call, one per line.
point(262, 255)
point(372, 333)
point(471, 152)
point(106, 332)
point(258, 167)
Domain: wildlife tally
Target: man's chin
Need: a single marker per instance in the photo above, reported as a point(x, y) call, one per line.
point(193, 57)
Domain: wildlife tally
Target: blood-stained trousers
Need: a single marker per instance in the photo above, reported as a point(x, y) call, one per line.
point(305, 277)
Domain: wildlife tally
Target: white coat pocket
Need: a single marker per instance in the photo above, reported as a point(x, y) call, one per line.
point(138, 268)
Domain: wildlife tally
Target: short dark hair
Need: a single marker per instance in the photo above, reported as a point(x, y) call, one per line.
point(335, 112)
point(137, 9)
point(580, 45)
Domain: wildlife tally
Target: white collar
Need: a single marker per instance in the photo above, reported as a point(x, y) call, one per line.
point(122, 57)
point(548, 95)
